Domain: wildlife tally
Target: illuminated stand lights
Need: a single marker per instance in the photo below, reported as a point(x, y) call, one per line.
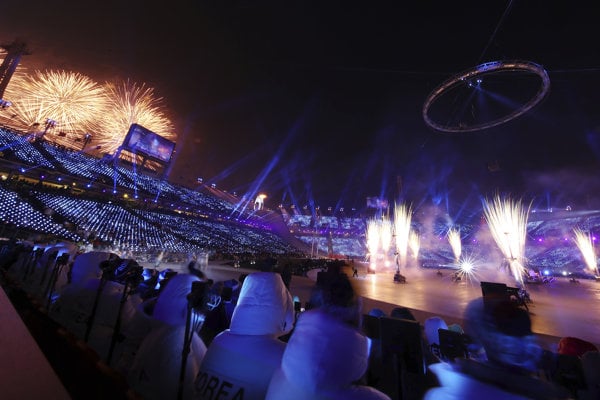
point(475, 74)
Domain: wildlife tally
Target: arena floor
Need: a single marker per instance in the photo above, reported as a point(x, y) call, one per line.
point(560, 308)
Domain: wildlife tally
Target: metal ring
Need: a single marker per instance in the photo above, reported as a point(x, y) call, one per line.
point(476, 72)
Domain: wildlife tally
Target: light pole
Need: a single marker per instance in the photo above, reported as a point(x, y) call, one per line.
point(50, 123)
point(86, 140)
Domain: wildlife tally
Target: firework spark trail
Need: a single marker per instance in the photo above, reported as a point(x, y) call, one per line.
point(72, 99)
point(132, 103)
point(385, 233)
point(402, 221)
point(455, 243)
point(507, 221)
point(414, 242)
point(373, 239)
point(585, 245)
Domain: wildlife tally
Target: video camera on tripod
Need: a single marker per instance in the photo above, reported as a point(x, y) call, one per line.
point(124, 271)
point(199, 297)
point(200, 303)
point(63, 259)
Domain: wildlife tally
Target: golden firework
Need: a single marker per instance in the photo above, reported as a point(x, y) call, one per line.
point(131, 103)
point(71, 99)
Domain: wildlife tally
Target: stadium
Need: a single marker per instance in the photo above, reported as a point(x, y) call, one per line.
point(327, 214)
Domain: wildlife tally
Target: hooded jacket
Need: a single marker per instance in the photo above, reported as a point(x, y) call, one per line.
point(155, 370)
point(240, 361)
point(323, 359)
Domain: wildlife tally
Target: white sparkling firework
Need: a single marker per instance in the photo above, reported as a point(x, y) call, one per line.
point(507, 221)
point(373, 238)
point(402, 221)
point(467, 268)
point(386, 235)
point(455, 242)
point(585, 244)
point(414, 242)
point(131, 103)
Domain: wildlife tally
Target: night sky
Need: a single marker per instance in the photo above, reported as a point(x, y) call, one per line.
point(320, 102)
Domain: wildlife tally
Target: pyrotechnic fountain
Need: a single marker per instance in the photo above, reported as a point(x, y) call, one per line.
point(379, 241)
point(373, 239)
point(585, 244)
point(455, 243)
point(507, 221)
point(414, 242)
point(385, 233)
point(402, 221)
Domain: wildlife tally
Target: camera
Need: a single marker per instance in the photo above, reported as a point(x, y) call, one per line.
point(63, 259)
point(199, 297)
point(124, 271)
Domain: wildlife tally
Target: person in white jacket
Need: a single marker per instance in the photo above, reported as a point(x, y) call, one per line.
point(324, 359)
point(240, 361)
point(327, 355)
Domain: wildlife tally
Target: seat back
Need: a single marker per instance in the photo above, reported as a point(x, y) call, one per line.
point(403, 358)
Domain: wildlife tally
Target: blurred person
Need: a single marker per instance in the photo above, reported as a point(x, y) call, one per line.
point(574, 346)
point(240, 360)
point(510, 359)
point(335, 295)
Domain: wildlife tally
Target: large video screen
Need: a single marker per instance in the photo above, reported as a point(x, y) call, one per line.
point(142, 140)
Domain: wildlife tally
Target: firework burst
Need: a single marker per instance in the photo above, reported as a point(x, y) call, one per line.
point(507, 221)
point(586, 246)
point(73, 100)
point(131, 103)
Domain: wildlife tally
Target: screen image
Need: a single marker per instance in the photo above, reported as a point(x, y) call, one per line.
point(142, 140)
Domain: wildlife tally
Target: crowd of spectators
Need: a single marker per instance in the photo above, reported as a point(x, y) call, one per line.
point(183, 335)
